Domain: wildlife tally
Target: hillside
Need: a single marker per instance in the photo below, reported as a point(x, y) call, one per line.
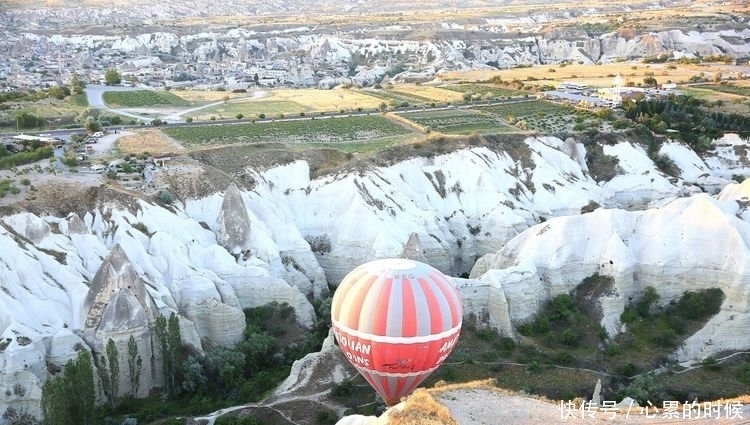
point(280, 235)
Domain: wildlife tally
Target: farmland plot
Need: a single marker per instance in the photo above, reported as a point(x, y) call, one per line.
point(541, 116)
point(484, 90)
point(140, 98)
point(460, 121)
point(329, 130)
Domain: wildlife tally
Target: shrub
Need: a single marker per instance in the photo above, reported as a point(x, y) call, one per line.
point(166, 197)
point(699, 305)
point(326, 417)
point(141, 228)
point(627, 370)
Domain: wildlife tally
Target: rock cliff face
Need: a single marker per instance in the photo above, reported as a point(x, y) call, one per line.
point(74, 282)
point(688, 244)
point(234, 223)
point(301, 52)
point(119, 306)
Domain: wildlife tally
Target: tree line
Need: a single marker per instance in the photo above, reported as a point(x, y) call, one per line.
point(192, 382)
point(688, 118)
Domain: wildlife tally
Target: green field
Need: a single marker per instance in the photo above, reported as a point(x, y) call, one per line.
point(726, 88)
point(541, 116)
point(394, 98)
point(250, 109)
point(484, 90)
point(328, 130)
point(460, 121)
point(140, 98)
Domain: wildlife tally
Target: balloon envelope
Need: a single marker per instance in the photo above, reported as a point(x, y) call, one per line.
point(396, 321)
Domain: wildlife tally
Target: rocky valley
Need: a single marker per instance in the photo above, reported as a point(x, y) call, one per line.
point(543, 214)
point(509, 228)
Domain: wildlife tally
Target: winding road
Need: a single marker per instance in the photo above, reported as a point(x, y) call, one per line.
point(95, 97)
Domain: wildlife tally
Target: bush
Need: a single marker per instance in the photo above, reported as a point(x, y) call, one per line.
point(236, 420)
point(627, 370)
point(166, 197)
point(343, 389)
point(699, 305)
point(326, 417)
point(710, 363)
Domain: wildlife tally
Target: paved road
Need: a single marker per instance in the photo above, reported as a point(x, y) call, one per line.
point(95, 96)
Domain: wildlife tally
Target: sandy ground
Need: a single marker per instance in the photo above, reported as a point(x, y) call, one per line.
point(487, 406)
point(481, 404)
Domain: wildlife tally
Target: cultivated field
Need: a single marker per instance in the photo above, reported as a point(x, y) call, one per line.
point(598, 75)
point(273, 102)
point(141, 98)
point(320, 130)
point(211, 95)
point(542, 116)
point(461, 121)
point(428, 93)
point(154, 142)
point(483, 90)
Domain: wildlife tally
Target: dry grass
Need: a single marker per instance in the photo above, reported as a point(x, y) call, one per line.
point(421, 409)
point(208, 95)
point(325, 100)
point(430, 92)
point(152, 141)
point(595, 75)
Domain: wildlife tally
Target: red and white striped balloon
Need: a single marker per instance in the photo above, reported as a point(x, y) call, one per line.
point(396, 320)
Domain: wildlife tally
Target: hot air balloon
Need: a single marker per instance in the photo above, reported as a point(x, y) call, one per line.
point(396, 320)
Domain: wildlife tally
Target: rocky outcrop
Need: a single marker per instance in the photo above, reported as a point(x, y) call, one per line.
point(117, 297)
point(234, 223)
point(102, 276)
point(221, 323)
point(413, 249)
point(688, 244)
point(119, 307)
point(314, 371)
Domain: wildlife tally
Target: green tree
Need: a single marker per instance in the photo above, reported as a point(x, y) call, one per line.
point(649, 81)
point(76, 84)
point(113, 364)
point(92, 125)
point(69, 399)
point(175, 348)
point(112, 77)
point(59, 92)
point(170, 345)
point(26, 120)
point(135, 365)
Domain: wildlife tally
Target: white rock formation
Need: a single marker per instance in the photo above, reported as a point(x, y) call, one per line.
point(688, 244)
point(459, 206)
